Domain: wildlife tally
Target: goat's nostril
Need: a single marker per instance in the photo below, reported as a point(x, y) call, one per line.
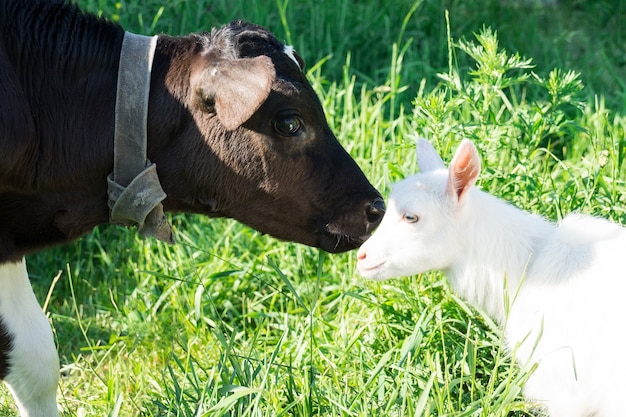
point(361, 254)
point(375, 210)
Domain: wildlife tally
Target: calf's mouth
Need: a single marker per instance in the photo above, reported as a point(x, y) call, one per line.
point(337, 242)
point(348, 234)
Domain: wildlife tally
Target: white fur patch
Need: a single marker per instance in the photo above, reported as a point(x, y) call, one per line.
point(34, 363)
point(289, 51)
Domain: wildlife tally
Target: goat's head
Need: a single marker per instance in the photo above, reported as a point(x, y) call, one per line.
point(422, 228)
point(257, 147)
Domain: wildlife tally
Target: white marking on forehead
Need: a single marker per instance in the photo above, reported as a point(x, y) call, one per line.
point(289, 51)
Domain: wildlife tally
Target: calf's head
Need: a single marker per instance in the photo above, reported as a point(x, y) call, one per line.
point(252, 143)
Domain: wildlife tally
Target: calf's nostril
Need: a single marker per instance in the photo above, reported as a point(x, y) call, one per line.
point(375, 210)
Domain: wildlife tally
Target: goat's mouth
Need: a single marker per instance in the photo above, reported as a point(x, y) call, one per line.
point(364, 269)
point(372, 270)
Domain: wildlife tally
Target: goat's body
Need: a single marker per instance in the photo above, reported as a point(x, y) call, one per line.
point(565, 290)
point(556, 289)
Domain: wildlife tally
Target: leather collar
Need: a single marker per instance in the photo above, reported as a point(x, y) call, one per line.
point(134, 190)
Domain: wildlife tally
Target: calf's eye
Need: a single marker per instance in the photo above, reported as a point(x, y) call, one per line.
point(410, 217)
point(287, 125)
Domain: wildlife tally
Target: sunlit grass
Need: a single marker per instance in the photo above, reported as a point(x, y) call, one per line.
point(229, 322)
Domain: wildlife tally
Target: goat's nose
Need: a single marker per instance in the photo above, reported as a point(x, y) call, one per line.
point(374, 211)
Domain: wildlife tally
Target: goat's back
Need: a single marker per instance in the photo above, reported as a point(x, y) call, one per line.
point(570, 313)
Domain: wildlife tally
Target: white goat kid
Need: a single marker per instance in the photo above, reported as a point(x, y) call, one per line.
point(566, 283)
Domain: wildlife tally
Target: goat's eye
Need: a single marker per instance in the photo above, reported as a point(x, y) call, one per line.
point(410, 217)
point(288, 125)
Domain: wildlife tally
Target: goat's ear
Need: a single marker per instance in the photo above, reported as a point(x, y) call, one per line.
point(464, 170)
point(427, 157)
point(236, 88)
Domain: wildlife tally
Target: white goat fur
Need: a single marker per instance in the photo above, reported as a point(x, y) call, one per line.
point(566, 283)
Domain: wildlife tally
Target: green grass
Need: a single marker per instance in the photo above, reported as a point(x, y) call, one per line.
point(231, 323)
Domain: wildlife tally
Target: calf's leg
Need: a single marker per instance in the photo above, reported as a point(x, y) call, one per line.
point(29, 363)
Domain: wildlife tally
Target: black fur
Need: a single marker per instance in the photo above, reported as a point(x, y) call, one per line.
point(58, 74)
point(6, 343)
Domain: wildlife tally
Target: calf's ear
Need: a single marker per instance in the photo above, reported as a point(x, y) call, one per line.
point(427, 157)
point(236, 88)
